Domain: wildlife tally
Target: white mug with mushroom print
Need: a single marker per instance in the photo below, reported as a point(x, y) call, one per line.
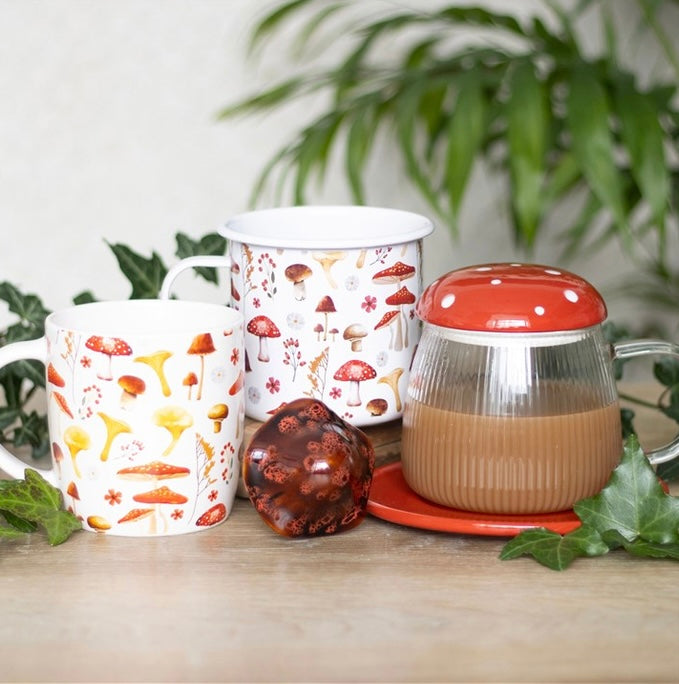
point(328, 295)
point(145, 404)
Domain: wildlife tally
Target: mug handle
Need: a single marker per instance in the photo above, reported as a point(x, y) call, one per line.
point(18, 351)
point(636, 348)
point(211, 261)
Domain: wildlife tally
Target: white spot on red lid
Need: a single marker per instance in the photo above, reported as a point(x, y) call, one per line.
point(495, 281)
point(539, 310)
point(571, 296)
point(484, 268)
point(552, 271)
point(447, 301)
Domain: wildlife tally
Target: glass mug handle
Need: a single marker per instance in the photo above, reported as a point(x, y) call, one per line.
point(206, 260)
point(20, 351)
point(636, 348)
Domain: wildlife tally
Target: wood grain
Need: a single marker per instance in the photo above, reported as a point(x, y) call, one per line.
point(378, 603)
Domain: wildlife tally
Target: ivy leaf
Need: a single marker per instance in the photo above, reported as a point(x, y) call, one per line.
point(9, 532)
point(554, 550)
point(632, 512)
point(32, 430)
point(35, 500)
point(666, 371)
point(633, 502)
point(627, 422)
point(8, 416)
point(27, 306)
point(647, 549)
point(212, 244)
point(145, 275)
point(18, 523)
point(85, 297)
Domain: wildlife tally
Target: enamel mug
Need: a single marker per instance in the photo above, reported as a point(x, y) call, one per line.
point(328, 295)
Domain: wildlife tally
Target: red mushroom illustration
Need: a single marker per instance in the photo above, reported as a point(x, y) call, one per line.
point(263, 327)
point(354, 372)
point(326, 306)
point(190, 380)
point(158, 497)
point(57, 455)
point(388, 320)
point(201, 345)
point(237, 384)
point(110, 347)
point(61, 402)
point(53, 376)
point(401, 298)
point(136, 514)
point(153, 471)
point(212, 516)
point(395, 274)
point(233, 391)
point(72, 491)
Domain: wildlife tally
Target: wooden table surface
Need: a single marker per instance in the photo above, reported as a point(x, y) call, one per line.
point(378, 603)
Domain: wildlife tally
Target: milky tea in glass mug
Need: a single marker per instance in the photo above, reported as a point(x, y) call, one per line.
point(328, 295)
point(512, 405)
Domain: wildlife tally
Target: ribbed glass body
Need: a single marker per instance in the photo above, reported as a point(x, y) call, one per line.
point(510, 422)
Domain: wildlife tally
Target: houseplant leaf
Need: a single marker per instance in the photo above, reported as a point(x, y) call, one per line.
point(465, 137)
point(588, 117)
point(643, 137)
point(526, 135)
point(359, 142)
point(405, 118)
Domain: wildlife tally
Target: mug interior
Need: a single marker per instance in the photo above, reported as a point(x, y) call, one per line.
point(327, 227)
point(139, 316)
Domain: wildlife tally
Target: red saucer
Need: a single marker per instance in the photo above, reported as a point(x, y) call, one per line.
point(391, 499)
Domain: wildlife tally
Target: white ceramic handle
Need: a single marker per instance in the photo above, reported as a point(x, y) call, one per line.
point(635, 348)
point(224, 261)
point(18, 351)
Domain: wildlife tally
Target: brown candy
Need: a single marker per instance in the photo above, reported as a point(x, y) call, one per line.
point(308, 472)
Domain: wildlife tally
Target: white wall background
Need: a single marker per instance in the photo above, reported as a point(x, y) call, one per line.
point(108, 133)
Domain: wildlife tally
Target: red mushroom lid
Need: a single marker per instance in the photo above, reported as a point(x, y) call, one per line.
point(511, 298)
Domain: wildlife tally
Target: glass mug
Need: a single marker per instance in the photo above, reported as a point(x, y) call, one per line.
point(512, 405)
point(328, 294)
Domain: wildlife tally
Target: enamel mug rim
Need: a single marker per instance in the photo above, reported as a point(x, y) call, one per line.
point(343, 227)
